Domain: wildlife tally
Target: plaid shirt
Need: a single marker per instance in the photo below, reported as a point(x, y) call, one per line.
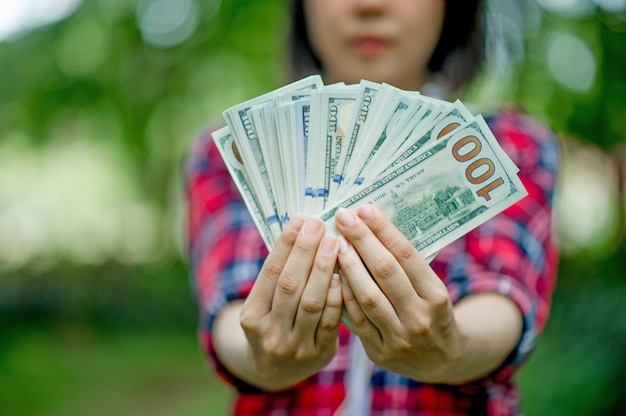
point(513, 254)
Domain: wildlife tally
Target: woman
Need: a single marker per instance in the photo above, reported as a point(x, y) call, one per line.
point(444, 338)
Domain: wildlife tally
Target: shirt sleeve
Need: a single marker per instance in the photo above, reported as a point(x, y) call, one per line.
point(514, 253)
point(226, 252)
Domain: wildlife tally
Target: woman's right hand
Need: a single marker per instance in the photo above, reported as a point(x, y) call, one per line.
point(291, 317)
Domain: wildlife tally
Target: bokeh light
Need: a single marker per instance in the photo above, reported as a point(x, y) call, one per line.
point(73, 200)
point(82, 48)
point(19, 16)
point(588, 203)
point(571, 8)
point(571, 62)
point(612, 6)
point(166, 23)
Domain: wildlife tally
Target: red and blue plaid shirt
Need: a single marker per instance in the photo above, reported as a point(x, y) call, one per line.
point(513, 254)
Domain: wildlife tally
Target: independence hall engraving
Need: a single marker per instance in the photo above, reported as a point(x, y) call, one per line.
point(418, 217)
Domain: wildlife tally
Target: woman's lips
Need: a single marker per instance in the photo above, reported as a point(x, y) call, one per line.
point(370, 47)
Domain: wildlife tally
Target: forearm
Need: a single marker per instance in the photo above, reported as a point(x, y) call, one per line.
point(490, 325)
point(230, 342)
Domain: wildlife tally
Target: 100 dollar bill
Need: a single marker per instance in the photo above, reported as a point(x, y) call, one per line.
point(227, 147)
point(454, 185)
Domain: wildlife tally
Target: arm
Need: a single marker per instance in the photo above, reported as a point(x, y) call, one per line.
point(291, 308)
point(404, 315)
point(492, 324)
point(510, 260)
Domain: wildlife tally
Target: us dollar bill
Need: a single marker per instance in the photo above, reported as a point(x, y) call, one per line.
point(331, 116)
point(302, 121)
point(225, 144)
point(432, 125)
point(440, 194)
point(271, 144)
point(391, 129)
point(245, 134)
point(446, 121)
point(364, 104)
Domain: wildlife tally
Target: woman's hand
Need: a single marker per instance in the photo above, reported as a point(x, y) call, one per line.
point(292, 315)
point(402, 312)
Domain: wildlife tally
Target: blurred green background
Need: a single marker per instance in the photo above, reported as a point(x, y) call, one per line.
point(99, 100)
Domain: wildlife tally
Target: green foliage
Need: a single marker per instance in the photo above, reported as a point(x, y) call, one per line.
point(595, 114)
point(77, 370)
point(579, 363)
point(109, 296)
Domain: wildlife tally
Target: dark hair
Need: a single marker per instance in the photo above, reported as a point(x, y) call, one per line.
point(458, 56)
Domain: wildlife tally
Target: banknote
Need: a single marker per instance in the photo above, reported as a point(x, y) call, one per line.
point(445, 120)
point(363, 105)
point(302, 123)
point(387, 130)
point(434, 125)
point(285, 131)
point(245, 134)
point(444, 191)
point(225, 144)
point(331, 112)
point(264, 122)
point(289, 149)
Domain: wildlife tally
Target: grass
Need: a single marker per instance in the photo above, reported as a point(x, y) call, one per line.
point(76, 370)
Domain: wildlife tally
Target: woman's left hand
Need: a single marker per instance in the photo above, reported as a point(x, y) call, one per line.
point(399, 307)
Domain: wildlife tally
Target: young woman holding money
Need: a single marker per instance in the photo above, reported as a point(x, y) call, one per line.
point(444, 338)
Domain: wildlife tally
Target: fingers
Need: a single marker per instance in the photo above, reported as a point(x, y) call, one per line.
point(295, 272)
point(380, 261)
point(314, 298)
point(361, 323)
point(331, 315)
point(369, 309)
point(422, 278)
point(260, 299)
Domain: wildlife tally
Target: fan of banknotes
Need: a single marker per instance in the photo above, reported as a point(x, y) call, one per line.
point(307, 148)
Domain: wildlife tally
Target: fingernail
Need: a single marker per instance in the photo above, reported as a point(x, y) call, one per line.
point(343, 245)
point(312, 226)
point(296, 223)
point(345, 217)
point(328, 244)
point(366, 212)
point(334, 281)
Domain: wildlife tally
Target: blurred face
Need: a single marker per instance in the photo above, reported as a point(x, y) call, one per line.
point(378, 40)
